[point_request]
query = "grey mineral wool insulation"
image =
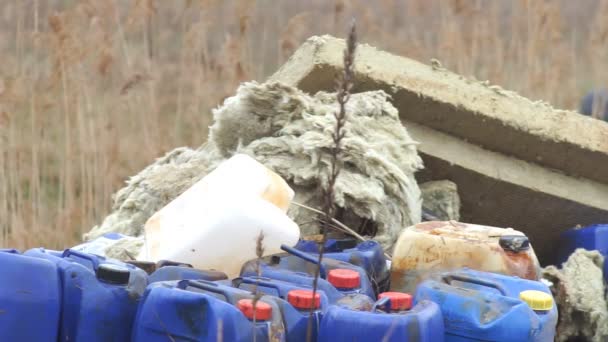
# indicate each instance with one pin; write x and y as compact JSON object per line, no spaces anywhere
{"x":289,"y":131}
{"x":579,"y":291}
{"x":441,"y":198}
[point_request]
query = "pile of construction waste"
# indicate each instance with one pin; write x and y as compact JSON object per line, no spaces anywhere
{"x":418,"y":138}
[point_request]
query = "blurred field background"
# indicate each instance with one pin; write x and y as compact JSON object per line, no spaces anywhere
{"x":92,"y":91}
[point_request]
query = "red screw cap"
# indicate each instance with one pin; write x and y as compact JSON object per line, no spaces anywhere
{"x":302,"y":299}
{"x":344,"y":278}
{"x":263,"y":311}
{"x":399,"y":300}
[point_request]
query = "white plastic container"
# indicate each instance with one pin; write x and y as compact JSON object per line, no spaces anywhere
{"x":434,"y":246}
{"x":215,"y":223}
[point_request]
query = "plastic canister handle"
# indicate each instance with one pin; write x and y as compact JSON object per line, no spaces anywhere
{"x":306,"y":256}
{"x":468,"y":279}
{"x":92,"y":259}
{"x":260,"y":281}
{"x":206,"y":286}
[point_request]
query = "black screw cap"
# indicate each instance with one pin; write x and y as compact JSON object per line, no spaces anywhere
{"x":113,"y":274}
{"x":514,"y":243}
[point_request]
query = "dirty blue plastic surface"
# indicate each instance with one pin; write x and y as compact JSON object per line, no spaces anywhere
{"x":422,"y":323}
{"x":193,"y":310}
{"x":99,"y":296}
{"x":299,"y":268}
{"x":592,"y":237}
{"x":9,"y":250}
{"x":595,"y":99}
{"x":482,"y":306}
{"x":98,"y":245}
{"x":368,"y":255}
{"x":167,"y":273}
{"x":331,"y":245}
{"x":273,"y":287}
{"x":30,"y":298}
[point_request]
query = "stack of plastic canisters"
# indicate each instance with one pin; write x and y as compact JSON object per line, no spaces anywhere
{"x":86,"y":297}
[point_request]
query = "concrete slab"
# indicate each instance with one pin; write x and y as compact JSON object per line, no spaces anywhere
{"x":517,"y":163}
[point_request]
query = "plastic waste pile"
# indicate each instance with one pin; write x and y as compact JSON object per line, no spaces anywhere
{"x":224,"y":262}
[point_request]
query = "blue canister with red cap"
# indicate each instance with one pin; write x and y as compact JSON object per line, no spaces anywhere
{"x":392,"y":318}
{"x":198,"y":310}
{"x":337,"y":278}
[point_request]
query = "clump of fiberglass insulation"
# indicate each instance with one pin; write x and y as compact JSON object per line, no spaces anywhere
{"x":579,"y":291}
{"x":289,"y":131}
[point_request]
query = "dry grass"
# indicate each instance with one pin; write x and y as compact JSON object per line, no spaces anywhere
{"x":91,"y":91}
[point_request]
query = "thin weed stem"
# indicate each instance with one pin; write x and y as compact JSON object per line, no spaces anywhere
{"x":344,"y":87}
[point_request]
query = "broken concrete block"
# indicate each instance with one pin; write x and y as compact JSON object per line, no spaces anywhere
{"x":517,"y":163}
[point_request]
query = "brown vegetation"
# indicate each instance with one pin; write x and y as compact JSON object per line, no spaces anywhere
{"x":92,"y":91}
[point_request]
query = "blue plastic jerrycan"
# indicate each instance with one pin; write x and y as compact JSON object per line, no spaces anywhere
{"x":592,"y":237}
{"x":299,"y":267}
{"x":368,"y":255}
{"x":169,"y":270}
{"x":295,"y":302}
{"x":198,"y":310}
{"x":392,"y":318}
{"x":99,"y":295}
{"x":10,"y":250}
{"x":30,"y":298}
{"x":482,"y":306}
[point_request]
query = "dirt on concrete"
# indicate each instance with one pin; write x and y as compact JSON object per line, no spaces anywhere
{"x":487,"y":115}
{"x":517,"y":163}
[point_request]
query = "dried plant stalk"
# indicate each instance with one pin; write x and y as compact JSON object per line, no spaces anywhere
{"x":344,"y":86}
{"x":259,"y":252}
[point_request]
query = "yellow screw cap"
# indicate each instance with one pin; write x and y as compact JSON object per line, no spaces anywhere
{"x":537,"y":300}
